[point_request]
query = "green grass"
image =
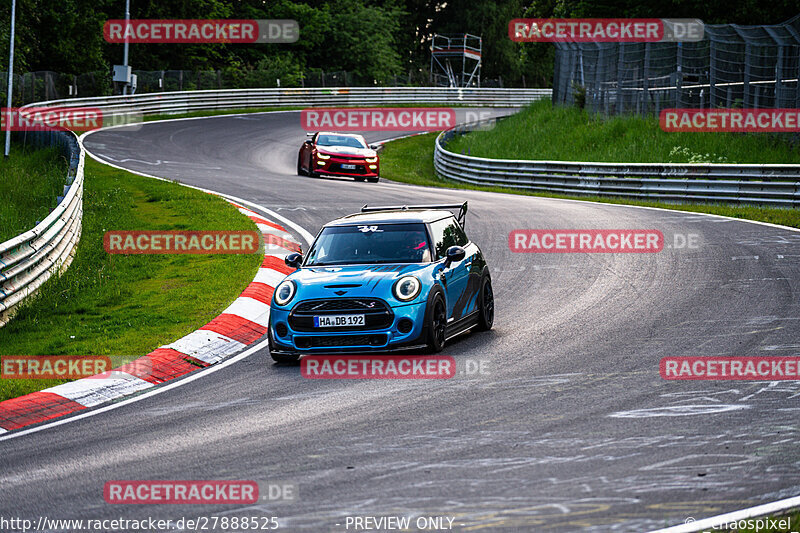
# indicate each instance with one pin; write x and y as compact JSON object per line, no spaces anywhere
{"x":122,"y":305}
{"x":543,"y":132}
{"x":30,"y":181}
{"x":410,"y":160}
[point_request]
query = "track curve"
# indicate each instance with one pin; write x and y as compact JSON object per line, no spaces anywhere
{"x":573,"y":429}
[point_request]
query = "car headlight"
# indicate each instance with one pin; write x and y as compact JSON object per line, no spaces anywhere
{"x":407,"y":288}
{"x":372,"y":160}
{"x":323,"y":156}
{"x":284,"y":293}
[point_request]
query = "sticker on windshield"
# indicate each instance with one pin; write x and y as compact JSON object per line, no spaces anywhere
{"x":369,"y":229}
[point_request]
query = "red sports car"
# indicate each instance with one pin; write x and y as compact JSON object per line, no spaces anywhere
{"x":338,"y":154}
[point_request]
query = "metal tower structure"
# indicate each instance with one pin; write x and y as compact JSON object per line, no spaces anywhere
{"x":456,"y":60}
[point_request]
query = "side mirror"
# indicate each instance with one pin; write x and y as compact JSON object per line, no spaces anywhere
{"x":293,"y":260}
{"x":454,"y":254}
{"x":376,"y":147}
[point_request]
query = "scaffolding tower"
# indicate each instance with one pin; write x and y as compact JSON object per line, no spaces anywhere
{"x":456,"y":60}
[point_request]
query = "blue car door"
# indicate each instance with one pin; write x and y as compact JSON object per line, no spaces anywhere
{"x":446,"y":233}
{"x":457,"y":275}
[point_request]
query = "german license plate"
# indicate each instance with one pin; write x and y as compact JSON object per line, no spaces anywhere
{"x":348,"y":167}
{"x":335,"y":321}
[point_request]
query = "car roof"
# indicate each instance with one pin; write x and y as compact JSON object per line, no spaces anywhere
{"x":392,"y":216}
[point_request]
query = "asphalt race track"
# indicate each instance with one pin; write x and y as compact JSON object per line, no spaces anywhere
{"x":572,"y":429}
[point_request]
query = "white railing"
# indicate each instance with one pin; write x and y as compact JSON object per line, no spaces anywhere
{"x":774,"y":185}
{"x":29,"y":259}
{"x":186,"y":102}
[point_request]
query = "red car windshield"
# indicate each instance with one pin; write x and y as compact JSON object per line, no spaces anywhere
{"x":340,"y":140}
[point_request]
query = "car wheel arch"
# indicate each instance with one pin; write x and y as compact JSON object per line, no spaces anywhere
{"x":435,"y":292}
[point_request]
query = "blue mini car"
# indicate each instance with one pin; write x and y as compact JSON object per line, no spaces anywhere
{"x":384,"y":279}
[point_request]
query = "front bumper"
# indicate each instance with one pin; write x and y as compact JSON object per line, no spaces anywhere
{"x":347,"y":339}
{"x":333,"y":167}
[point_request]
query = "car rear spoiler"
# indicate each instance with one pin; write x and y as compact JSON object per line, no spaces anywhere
{"x":461,"y":216}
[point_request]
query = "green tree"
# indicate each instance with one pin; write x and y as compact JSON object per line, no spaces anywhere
{"x":361,"y":39}
{"x":64,"y":36}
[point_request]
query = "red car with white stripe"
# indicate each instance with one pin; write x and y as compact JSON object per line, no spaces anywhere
{"x":338,"y":154}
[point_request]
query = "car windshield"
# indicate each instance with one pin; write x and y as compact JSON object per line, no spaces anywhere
{"x":370,"y":244}
{"x":340,"y":140}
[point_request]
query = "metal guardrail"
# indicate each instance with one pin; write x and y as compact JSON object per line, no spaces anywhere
{"x":186,"y":102}
{"x":29,"y":259}
{"x":773,"y":185}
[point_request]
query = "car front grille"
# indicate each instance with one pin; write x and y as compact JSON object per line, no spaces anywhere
{"x":377,"y":314}
{"x":340,"y":304}
{"x":340,"y":341}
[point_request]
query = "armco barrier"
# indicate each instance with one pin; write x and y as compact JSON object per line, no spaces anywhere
{"x":185,"y":102}
{"x":774,"y":185}
{"x":28,"y":260}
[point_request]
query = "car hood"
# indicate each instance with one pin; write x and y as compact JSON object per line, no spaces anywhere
{"x":348,"y":150}
{"x":356,"y":280}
